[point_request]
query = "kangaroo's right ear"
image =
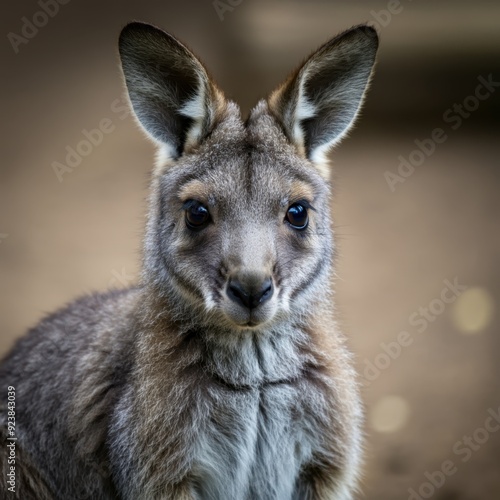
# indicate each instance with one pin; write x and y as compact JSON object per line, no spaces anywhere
{"x":172,"y":96}
{"x":318,"y":104}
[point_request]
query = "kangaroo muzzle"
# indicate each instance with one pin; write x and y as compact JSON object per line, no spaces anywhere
{"x":250,"y":290}
{"x":249,"y":297}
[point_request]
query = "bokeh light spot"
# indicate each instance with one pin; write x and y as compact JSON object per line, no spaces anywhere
{"x":390,"y":414}
{"x":473,"y":311}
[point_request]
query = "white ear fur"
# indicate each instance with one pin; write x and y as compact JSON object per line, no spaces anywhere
{"x":318,"y":105}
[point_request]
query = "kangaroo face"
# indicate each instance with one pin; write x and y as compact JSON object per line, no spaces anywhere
{"x":245,"y":229}
{"x":239,"y":225}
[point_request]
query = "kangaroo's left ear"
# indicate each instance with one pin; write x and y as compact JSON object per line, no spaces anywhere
{"x":173,"y":98}
{"x":318,"y":104}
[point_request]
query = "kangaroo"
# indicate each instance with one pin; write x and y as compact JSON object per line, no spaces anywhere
{"x":222,"y":374}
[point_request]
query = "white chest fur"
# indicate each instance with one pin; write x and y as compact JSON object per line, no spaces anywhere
{"x":253,"y":445}
{"x":257,"y":437}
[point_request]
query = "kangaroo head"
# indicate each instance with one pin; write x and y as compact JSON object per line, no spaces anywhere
{"x":239,"y":226}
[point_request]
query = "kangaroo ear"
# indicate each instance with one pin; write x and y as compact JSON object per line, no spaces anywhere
{"x":172,"y":96}
{"x":318,"y":104}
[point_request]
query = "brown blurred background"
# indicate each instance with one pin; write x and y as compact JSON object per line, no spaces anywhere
{"x":428,"y":400}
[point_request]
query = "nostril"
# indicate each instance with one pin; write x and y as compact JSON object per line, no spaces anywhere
{"x":237,"y":294}
{"x":267,"y":292}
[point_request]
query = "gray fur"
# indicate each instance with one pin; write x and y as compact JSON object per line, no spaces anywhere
{"x":171,"y":390}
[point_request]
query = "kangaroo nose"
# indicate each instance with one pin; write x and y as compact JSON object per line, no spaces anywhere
{"x":250,"y":293}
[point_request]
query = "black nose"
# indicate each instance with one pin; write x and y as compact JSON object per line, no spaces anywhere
{"x":251,"y":293}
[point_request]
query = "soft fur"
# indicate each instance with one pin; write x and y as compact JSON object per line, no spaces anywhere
{"x":170,"y":390}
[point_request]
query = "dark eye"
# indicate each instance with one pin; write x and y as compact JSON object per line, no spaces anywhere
{"x":297,"y":216}
{"x":197,"y":215}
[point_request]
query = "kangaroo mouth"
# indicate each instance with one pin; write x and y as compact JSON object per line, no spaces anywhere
{"x":251,"y":325}
{"x":249,"y":319}
{"x":246,"y":319}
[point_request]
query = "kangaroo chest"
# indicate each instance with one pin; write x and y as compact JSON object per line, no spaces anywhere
{"x":253,"y":443}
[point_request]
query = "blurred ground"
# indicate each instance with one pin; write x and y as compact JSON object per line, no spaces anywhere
{"x":429,"y":400}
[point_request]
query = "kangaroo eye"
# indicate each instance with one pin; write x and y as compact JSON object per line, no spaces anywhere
{"x":297,"y":216}
{"x":197,"y":215}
